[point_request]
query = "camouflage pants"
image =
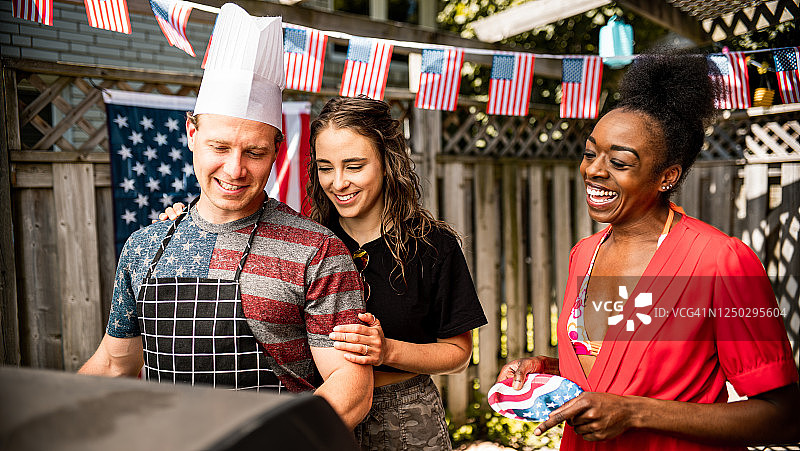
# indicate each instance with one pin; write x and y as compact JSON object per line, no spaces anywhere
{"x":405,"y":416}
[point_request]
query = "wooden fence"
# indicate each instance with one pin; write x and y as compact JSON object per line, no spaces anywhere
{"x":509,"y":185}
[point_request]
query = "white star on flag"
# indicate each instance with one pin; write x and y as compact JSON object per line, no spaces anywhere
{"x":154,"y":185}
{"x":150,"y":153}
{"x":121,"y":121}
{"x":189,"y":198}
{"x":175,"y":154}
{"x":146,"y":123}
{"x":153,"y":216}
{"x":128,"y":185}
{"x":136,"y":138}
{"x":177,"y":184}
{"x":197,"y":258}
{"x":160,"y":139}
{"x":171,"y":124}
{"x":184,"y":140}
{"x":166,"y":200}
{"x":142,"y":201}
{"x":188,"y":169}
{"x":129,"y":216}
{"x":165,"y":169}
{"x":125,"y":152}
{"x":139,"y":168}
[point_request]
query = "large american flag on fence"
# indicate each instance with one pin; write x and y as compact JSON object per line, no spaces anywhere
{"x":439,"y":79}
{"x":510,"y":84}
{"x":36,"y":10}
{"x":733,"y":77}
{"x":366,"y":68}
{"x":172,"y":16}
{"x":786,"y":68}
{"x":109,"y":15}
{"x":580,"y":87}
{"x":151,"y":165}
{"x":303,"y":57}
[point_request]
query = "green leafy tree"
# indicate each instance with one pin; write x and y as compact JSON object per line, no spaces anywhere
{"x":579,"y":35}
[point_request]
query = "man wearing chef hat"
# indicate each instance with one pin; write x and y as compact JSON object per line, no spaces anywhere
{"x":240,"y":292}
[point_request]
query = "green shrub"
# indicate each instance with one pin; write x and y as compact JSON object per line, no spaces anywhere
{"x":484,"y":424}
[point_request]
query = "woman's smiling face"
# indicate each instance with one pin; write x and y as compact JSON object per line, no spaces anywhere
{"x":618,"y":167}
{"x":350,"y":172}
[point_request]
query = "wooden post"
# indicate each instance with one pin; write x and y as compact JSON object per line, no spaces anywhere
{"x":516,"y":307}
{"x":487,"y":242}
{"x":689,"y":195}
{"x":39,"y":290}
{"x":73,"y":188}
{"x":756,"y":193}
{"x":718,"y":198}
{"x":541,"y":267}
{"x":459,"y":387}
{"x":789,"y":252}
{"x":427,"y":141}
{"x":9,"y":140}
{"x":562,"y":229}
{"x":583,"y":222}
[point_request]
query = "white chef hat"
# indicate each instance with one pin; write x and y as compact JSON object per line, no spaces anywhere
{"x":244,"y":72}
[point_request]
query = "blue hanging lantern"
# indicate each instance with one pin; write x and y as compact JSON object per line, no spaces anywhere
{"x":616,"y":39}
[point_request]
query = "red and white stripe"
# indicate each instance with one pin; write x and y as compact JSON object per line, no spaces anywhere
{"x":737,"y":83}
{"x":582,"y":100}
{"x":175,"y":29}
{"x":513,"y":97}
{"x":369,"y":78}
{"x":109,"y":15}
{"x":288,"y":179}
{"x":440,"y":91}
{"x":36,"y":10}
{"x":304,"y":70}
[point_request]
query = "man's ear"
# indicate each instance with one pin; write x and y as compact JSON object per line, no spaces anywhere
{"x":191,"y":130}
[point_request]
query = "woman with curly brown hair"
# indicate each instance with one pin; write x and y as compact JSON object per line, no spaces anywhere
{"x":654,"y":372}
{"x":421,"y":301}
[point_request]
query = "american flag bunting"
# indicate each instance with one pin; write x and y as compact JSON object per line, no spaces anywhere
{"x":366,"y":68}
{"x":580,"y":87}
{"x":172,"y":16}
{"x":109,"y":15}
{"x":732,"y":68}
{"x":786,"y":68}
{"x":303,"y":58}
{"x":36,"y":10}
{"x":510,"y":84}
{"x":439,"y":79}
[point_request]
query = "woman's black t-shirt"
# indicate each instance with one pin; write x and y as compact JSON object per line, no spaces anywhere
{"x":437,"y":299}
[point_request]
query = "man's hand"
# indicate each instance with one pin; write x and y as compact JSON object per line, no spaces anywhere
{"x":519,"y":369}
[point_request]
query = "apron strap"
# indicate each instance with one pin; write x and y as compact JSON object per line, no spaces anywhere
{"x":167,"y":238}
{"x":246,"y":252}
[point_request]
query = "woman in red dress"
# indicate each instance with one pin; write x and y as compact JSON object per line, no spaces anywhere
{"x":691,"y":307}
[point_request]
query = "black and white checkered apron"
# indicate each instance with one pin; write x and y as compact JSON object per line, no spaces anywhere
{"x":194,"y":329}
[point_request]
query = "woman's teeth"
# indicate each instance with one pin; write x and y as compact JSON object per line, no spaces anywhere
{"x":345,"y":198}
{"x":600,"y":196}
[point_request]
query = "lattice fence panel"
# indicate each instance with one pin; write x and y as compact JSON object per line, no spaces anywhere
{"x":78,"y":124}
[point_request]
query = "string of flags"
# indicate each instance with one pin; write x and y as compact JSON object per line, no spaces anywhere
{"x":367,"y":63}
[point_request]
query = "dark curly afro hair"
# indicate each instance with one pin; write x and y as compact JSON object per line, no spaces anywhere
{"x":675,"y":90}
